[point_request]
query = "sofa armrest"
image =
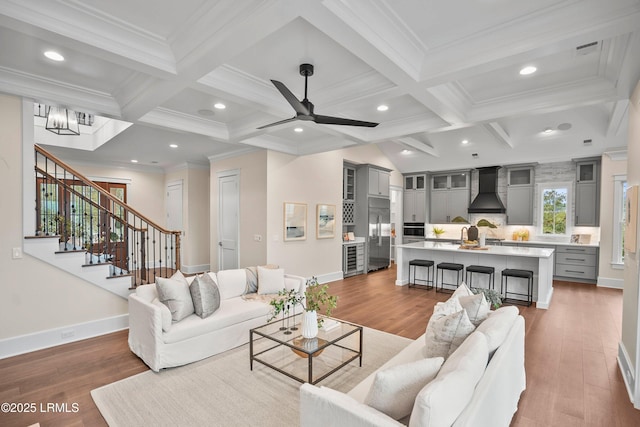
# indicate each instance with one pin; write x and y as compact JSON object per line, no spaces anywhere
{"x":322,"y":406}
{"x":145,"y":330}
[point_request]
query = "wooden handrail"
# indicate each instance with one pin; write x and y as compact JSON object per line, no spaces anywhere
{"x":90,"y":183}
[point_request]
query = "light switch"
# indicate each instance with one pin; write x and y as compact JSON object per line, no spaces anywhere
{"x":16,"y":253}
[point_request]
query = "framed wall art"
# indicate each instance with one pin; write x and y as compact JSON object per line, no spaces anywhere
{"x":295,"y":221}
{"x":325,"y":221}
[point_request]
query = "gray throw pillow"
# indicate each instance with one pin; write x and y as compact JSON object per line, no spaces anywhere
{"x":205,"y":295}
{"x":175,"y":295}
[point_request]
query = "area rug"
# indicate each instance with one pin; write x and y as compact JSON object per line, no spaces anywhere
{"x":223,"y":391}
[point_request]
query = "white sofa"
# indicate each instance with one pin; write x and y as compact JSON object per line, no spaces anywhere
{"x":446,"y":400}
{"x":193,"y":338}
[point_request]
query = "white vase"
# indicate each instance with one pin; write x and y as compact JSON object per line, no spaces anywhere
{"x":309,"y":324}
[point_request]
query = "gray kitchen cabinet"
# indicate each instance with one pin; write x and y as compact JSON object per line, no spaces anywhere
{"x":520,"y":194}
{"x":414,"y":198}
{"x":576,"y":262}
{"x":378,"y":182}
{"x":450,"y":194}
{"x":587,"y":203}
{"x":349,"y":183}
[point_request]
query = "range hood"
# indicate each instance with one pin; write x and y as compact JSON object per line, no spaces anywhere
{"x":487,"y":200}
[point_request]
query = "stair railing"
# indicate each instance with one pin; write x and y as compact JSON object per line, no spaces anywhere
{"x":88,"y":218}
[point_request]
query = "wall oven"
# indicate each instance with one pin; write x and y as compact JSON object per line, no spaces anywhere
{"x":413,"y":229}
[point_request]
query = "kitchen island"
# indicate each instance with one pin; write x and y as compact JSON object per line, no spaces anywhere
{"x":538,"y":260}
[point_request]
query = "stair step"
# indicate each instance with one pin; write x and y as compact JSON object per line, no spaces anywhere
{"x":120,"y":275}
{"x":74,"y":251}
{"x":95,"y":264}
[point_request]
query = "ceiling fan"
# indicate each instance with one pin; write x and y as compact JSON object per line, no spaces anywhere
{"x":304,"y":108}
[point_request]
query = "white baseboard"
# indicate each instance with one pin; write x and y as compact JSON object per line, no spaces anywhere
{"x":192,"y":269}
{"x":625,"y":365}
{"x":50,"y":338}
{"x":330,"y":277}
{"x":607,"y":282}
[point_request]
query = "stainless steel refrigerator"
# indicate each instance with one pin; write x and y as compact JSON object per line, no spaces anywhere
{"x":379,"y":239}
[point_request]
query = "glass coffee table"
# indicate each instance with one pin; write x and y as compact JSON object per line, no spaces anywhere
{"x":280,"y":346}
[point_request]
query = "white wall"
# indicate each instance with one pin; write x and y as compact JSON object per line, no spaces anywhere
{"x":608,"y":276}
{"x":630,"y":319}
{"x":36,"y":296}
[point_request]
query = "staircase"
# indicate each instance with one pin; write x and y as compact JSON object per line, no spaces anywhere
{"x":87,"y":231}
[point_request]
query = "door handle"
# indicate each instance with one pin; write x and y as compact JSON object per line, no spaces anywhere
{"x":220,"y":244}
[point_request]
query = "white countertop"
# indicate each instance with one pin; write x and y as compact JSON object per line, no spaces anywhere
{"x":353,"y":242}
{"x":544,"y":242}
{"x":521,"y":251}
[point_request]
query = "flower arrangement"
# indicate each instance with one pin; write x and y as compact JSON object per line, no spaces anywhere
{"x":316,"y":298}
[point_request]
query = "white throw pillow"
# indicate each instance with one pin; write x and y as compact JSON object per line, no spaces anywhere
{"x":476,"y":306}
{"x":270,"y":280}
{"x":232,"y":283}
{"x":452,"y":305}
{"x":394,"y":389}
{"x":175,"y":294}
{"x":444,"y":334}
{"x":462,"y":291}
{"x":164,"y":313}
{"x":498,"y":325}
{"x":205,"y":295}
{"x":442,"y":401}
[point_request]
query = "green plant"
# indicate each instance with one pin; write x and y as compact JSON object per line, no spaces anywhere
{"x":485,"y":223}
{"x":493,"y":297}
{"x":316,"y":298}
{"x":460,"y":219}
{"x":438,"y":231}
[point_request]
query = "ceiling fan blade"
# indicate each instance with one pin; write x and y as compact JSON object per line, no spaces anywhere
{"x":329,"y":120}
{"x":291,"y":98}
{"x":278,"y":123}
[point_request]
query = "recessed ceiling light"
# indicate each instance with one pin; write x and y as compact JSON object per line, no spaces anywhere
{"x":220,"y":106}
{"x":54,"y":56}
{"x":529,"y":69}
{"x":383,"y":107}
{"x":173,"y":145}
{"x":206,"y":112}
{"x":298,"y":130}
{"x":405,"y":151}
{"x":134,"y":161}
{"x":548,"y":130}
{"x":465,"y":141}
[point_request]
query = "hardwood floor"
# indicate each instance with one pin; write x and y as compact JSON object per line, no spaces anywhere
{"x":572,"y":373}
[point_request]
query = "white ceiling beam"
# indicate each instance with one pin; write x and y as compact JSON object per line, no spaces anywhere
{"x":418,"y":145}
{"x":499,"y":132}
{"x":185,"y":122}
{"x":617,"y":120}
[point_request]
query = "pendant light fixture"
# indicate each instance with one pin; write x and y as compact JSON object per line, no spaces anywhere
{"x":62,"y":121}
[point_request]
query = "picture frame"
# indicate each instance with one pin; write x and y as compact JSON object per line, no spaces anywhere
{"x":294,"y":221}
{"x":325,"y":221}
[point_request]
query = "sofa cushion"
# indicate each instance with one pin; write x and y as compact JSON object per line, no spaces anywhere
{"x":270,"y":281}
{"x":232,"y":283}
{"x":164,"y":313}
{"x":147,"y":292}
{"x":497,"y":326}
{"x":441,"y":401}
{"x":445,"y":333}
{"x":394,"y":389}
{"x":476,"y":306}
{"x":231,"y":312}
{"x":338,"y":409}
{"x":205,"y":295}
{"x":174,"y":293}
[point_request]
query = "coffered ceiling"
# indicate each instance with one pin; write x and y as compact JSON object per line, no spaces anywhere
{"x":448,"y":71}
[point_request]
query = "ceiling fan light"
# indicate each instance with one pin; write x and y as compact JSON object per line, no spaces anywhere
{"x":62,"y":121}
{"x":529,"y":69}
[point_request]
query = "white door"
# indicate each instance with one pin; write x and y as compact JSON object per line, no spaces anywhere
{"x":228,"y":222}
{"x":174,"y":206}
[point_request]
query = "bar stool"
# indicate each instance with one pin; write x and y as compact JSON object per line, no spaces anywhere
{"x":450,"y":266}
{"x":491,"y":271}
{"x":415,"y":263}
{"x":521,"y":274}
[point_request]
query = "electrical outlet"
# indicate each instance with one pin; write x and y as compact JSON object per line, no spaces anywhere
{"x":67,"y":334}
{"x":16,"y":253}
{"x":257,"y":238}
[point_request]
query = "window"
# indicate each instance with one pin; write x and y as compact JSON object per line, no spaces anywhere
{"x":619,"y":207}
{"x":554,"y":201}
